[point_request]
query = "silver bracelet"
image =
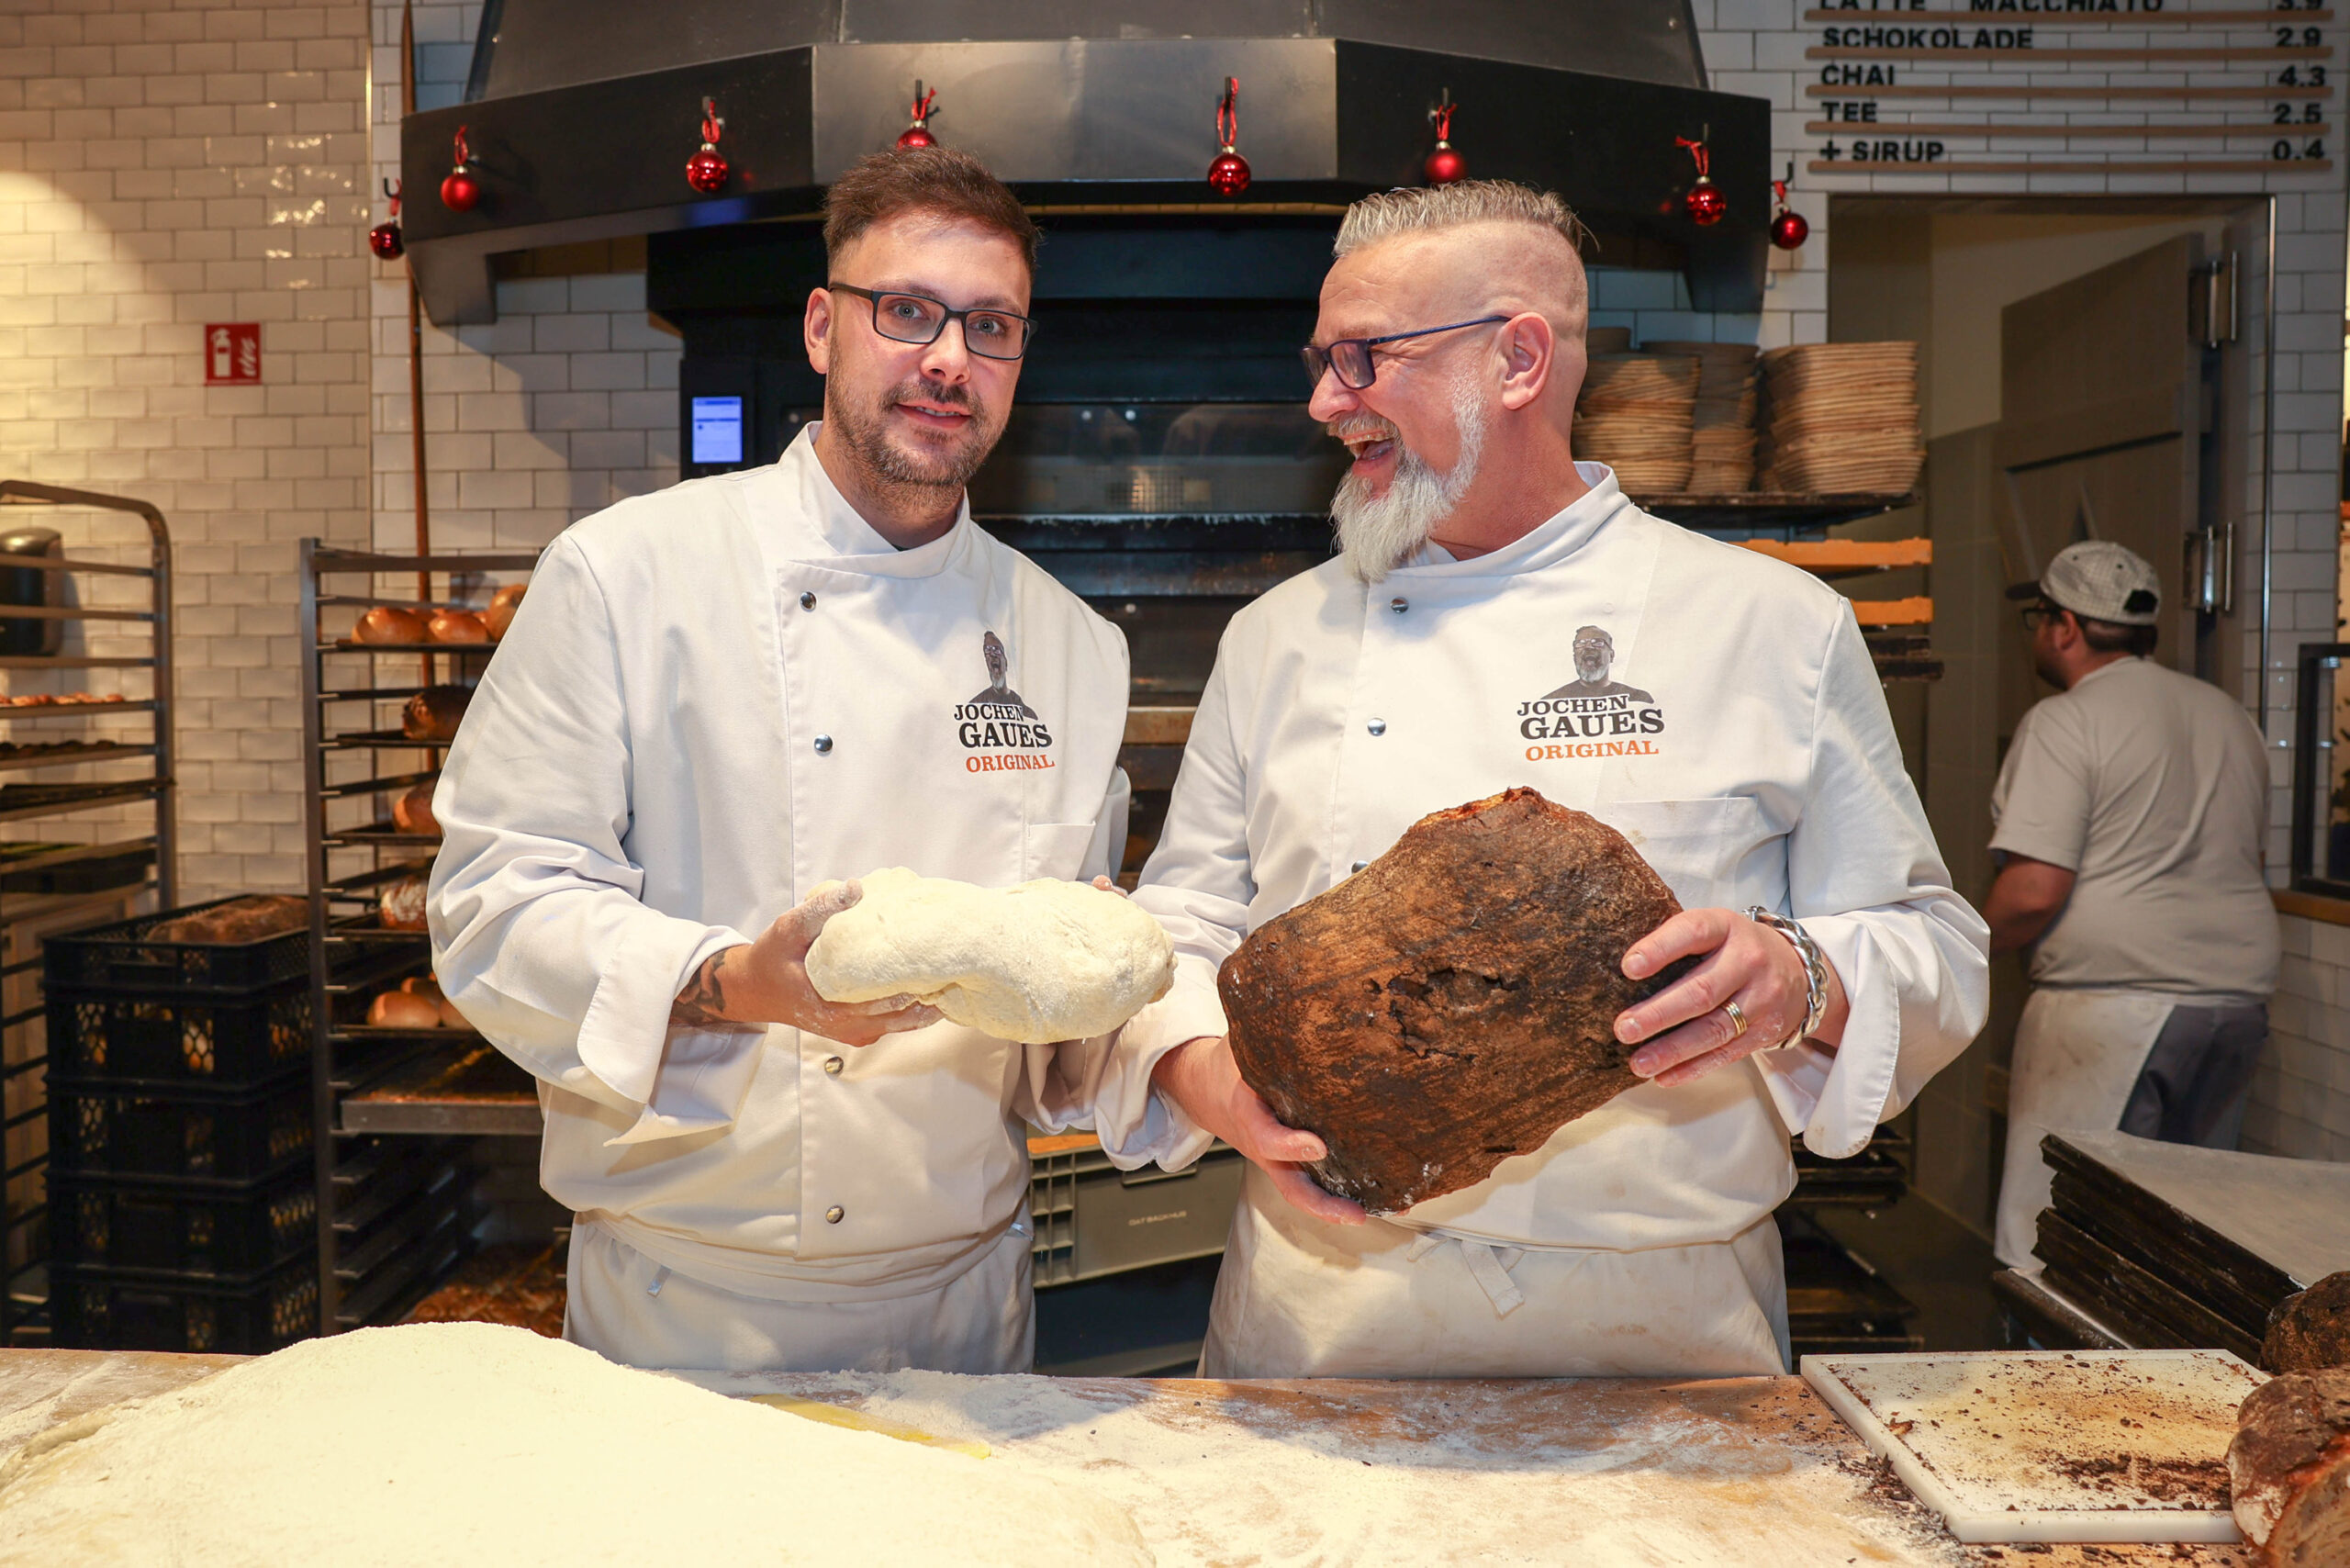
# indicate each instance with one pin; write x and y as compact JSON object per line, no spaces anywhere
{"x":1815,"y":968}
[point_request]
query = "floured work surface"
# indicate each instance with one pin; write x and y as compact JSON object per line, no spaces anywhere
{"x":1755,"y":1473}
{"x":2053,"y":1445}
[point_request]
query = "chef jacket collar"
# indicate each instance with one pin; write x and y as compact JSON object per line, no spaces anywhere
{"x":1551,"y":541}
{"x":801,"y":516}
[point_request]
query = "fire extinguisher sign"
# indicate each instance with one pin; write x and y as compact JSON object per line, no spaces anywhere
{"x":232,"y":353}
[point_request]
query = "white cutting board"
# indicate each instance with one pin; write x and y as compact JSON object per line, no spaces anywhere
{"x":2051,"y":1444}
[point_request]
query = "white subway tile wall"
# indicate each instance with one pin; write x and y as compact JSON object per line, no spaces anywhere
{"x":163,"y":166}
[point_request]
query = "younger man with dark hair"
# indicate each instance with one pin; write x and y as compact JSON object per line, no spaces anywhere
{"x":714,"y":700}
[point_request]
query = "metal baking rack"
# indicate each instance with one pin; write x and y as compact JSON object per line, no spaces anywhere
{"x":27,"y":917}
{"x":397,"y":1171}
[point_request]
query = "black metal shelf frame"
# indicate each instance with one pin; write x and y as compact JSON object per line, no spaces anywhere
{"x":21,"y":1309}
{"x":394,"y":1212}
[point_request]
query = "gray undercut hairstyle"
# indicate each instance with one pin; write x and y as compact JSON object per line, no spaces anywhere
{"x":1423,"y":209}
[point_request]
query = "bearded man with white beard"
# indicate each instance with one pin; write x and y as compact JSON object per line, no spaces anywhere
{"x":1741,"y":744}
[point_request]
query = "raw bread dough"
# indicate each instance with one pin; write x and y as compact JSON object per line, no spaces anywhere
{"x":1044,"y":961}
{"x":470,"y":1442}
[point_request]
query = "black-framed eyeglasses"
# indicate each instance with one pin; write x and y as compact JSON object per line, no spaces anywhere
{"x":1351,"y":358}
{"x":918,"y":319}
{"x":2038,"y":614}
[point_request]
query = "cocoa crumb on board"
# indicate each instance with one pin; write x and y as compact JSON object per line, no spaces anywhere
{"x":2189,"y":1482}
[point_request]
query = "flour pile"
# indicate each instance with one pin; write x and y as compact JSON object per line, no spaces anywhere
{"x":467,"y":1442}
{"x":1044,"y":962}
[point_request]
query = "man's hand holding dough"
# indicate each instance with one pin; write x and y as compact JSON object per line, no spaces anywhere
{"x":765,"y":981}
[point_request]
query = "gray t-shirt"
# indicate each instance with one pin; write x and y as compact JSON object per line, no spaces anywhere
{"x":2153,"y":787}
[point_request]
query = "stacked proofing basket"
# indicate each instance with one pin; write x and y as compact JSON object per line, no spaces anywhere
{"x":1721,"y":439}
{"x":1841,"y":419}
{"x":1634,"y":415}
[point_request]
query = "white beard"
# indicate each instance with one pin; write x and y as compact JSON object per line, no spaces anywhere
{"x":1379,"y":533}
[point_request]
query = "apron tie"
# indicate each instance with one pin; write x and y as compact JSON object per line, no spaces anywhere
{"x":1488,"y":1265}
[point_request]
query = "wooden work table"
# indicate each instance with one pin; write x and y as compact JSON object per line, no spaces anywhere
{"x":1530,"y":1471}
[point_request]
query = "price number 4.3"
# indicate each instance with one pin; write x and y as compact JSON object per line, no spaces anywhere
{"x":2296,"y":76}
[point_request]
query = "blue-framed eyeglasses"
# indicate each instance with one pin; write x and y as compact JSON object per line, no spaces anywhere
{"x":1351,"y":358}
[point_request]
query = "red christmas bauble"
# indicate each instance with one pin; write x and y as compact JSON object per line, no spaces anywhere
{"x":1229,"y":173}
{"x":915,"y":136}
{"x":1445,"y":165}
{"x":1788,"y":230}
{"x":460,"y":192}
{"x":386,"y":242}
{"x":1705,"y":203}
{"x":705,"y":170}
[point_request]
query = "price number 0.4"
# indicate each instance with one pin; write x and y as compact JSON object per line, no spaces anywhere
{"x":2283,"y":151}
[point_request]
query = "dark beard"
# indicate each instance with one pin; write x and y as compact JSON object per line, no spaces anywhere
{"x":866,"y":442}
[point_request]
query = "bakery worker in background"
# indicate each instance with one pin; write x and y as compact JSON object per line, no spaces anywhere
{"x":1409,"y":676}
{"x":715,"y":698}
{"x":2131,"y":812}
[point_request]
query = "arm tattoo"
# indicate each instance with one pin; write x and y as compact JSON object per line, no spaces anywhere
{"x":703,"y":1002}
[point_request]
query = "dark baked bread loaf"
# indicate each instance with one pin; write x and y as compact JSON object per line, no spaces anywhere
{"x":238,"y":920}
{"x":2289,"y":1468}
{"x":2310,"y":1329}
{"x":1452,"y":1003}
{"x":434,"y":713}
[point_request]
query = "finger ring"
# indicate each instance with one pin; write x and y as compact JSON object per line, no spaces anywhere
{"x":1736,"y":1018}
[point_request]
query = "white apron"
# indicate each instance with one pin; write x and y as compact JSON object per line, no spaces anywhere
{"x":2078,"y":1056}
{"x":1299,"y":1298}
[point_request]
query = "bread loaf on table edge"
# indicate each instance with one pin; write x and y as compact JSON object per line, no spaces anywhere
{"x":2310,"y":1329}
{"x":2289,"y":1468}
{"x":246,"y":919}
{"x":1454,"y":1003}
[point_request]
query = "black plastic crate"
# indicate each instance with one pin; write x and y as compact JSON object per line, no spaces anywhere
{"x":172,"y":1041}
{"x":99,"y":1129}
{"x":138,"y":1225}
{"x":107,"y":1309}
{"x":92,"y":876}
{"x":120,"y":954}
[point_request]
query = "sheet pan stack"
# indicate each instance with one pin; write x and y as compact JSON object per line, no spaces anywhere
{"x":1635,"y":415}
{"x":1722,"y":425}
{"x":1841,"y":418}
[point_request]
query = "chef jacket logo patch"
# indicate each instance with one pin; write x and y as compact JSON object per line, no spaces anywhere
{"x":998,"y":721}
{"x":1592,"y":715}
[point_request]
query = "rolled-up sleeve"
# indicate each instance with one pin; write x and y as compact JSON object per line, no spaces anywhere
{"x":539,"y":937}
{"x":1867,"y":881}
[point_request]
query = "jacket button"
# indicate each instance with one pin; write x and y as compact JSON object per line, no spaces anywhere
{"x":833,"y":1065}
{"x":824,"y":745}
{"x":834,"y":1214}
{"x":807,"y":602}
{"x":1377,"y":727}
{"x":1399,"y":605}
{"x":1360,"y":864}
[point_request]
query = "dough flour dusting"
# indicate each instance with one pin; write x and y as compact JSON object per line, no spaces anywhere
{"x":467,"y":1442}
{"x":1044,"y":962}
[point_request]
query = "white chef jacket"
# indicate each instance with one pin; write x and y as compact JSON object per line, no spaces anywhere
{"x":1740,"y":740}
{"x":712,"y":699}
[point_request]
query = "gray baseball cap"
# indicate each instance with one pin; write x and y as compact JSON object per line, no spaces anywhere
{"x":2100,"y":581}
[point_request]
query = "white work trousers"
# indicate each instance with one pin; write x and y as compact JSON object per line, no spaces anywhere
{"x":628,"y":1309}
{"x":1300,"y":1298}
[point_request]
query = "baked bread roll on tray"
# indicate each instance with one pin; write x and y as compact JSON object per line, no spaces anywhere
{"x":1454,"y":1003}
{"x":502,"y":606}
{"x":456,"y":626}
{"x":392,"y":624}
{"x":1044,"y":961}
{"x":434,"y":713}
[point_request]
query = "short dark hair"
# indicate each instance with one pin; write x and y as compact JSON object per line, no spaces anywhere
{"x":2113,"y":637}
{"x":939,"y":180}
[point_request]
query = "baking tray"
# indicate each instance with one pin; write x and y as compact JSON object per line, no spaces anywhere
{"x":2036,"y":1446}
